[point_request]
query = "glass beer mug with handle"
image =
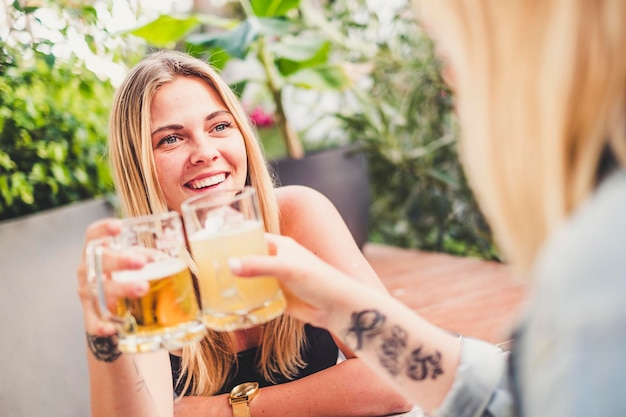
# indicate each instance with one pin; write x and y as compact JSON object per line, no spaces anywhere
{"x":219,"y":225}
{"x":168,"y":315}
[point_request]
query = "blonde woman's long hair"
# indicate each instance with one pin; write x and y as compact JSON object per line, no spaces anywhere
{"x":208,"y":362}
{"x":540,"y":89}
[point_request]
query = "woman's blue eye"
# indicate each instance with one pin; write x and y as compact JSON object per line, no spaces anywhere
{"x":169,"y":140}
{"x":222,"y":126}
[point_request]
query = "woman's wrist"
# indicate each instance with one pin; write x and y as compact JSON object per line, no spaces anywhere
{"x":103,"y":348}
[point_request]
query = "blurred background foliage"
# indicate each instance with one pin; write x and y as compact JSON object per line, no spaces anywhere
{"x":51,"y":136}
{"x":405,"y":118}
{"x":54,"y":106}
{"x":53,"y":109}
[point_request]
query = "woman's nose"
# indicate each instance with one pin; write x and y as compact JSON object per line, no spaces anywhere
{"x":203,"y":150}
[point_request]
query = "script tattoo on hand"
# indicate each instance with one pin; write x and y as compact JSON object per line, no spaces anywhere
{"x":417,"y":364}
{"x":103,"y":348}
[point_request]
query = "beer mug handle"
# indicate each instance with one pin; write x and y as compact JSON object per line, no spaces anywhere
{"x":95,"y":277}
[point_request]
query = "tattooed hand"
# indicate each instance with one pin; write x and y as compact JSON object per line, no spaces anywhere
{"x":103,"y":348}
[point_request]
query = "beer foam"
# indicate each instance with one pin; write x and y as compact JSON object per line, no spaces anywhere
{"x":211,"y":232}
{"x":151,"y":271}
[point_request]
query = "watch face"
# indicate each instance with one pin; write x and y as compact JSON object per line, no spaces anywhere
{"x":244,"y":390}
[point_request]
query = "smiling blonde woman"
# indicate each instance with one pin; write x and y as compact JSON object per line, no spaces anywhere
{"x":176,"y":131}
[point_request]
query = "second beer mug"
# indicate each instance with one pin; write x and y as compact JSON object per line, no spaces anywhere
{"x":168,"y":315}
{"x":220,"y":225}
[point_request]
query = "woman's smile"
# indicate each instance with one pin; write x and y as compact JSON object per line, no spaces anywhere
{"x":196,"y":142}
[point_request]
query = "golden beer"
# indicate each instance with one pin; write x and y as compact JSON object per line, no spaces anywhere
{"x":167,"y":314}
{"x":229,"y":302}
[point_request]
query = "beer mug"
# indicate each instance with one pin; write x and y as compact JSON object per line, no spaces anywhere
{"x":168,"y":315}
{"x":220,"y":225}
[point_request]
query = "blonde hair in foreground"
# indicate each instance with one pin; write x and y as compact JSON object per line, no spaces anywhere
{"x":541,"y":87}
{"x":209,"y":361}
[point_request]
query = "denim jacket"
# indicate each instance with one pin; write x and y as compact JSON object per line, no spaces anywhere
{"x":481,"y":385}
{"x":570,"y":350}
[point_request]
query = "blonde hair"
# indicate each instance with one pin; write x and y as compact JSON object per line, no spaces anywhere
{"x":207,"y":363}
{"x":541,"y":89}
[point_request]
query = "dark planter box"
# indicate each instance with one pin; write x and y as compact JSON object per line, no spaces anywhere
{"x":340,"y":174}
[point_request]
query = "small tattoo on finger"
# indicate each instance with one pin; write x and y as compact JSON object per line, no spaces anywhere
{"x":103,"y":348}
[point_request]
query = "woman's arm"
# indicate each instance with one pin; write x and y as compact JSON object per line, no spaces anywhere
{"x":417,"y":358}
{"x":311,"y":219}
{"x":130,"y":385}
{"x":120,"y":384}
{"x":347,"y":389}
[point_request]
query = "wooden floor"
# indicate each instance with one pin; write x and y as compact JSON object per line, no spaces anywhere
{"x":464,"y":295}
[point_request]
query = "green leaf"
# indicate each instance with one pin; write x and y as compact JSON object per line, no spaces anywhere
{"x":81,"y":176}
{"x":217,"y":57}
{"x":269,"y":8}
{"x":293,"y":54}
{"x":58,"y":151}
{"x":90,"y":14}
{"x":301,"y":49}
{"x":166,"y":30}
{"x":61,"y":173}
{"x":22,"y":188}
{"x":320,"y":78}
{"x":90,"y":40}
{"x":17,"y":6}
{"x":27,"y":10}
{"x":5,"y":192}
{"x":38,"y":173}
{"x":239,"y":87}
{"x":235,"y":42}
{"x":49,"y":59}
{"x":6,"y":162}
{"x":272,"y":26}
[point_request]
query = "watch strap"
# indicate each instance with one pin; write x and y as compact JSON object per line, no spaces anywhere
{"x":240,"y":408}
{"x":240,"y":397}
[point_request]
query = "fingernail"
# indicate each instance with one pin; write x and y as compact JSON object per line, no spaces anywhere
{"x":141,"y":288}
{"x":137,"y":262}
{"x":114,"y":226}
{"x":235,"y":265}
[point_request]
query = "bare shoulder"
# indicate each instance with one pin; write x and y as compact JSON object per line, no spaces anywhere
{"x":310,"y":218}
{"x":301,"y":199}
{"x":306,"y":215}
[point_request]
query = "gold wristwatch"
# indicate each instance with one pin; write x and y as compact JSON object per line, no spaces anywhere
{"x":241,"y":396}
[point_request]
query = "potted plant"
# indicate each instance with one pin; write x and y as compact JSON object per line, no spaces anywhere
{"x":407,"y":125}
{"x":274,"y":50}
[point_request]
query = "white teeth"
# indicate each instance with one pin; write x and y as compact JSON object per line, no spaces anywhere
{"x":207,"y":182}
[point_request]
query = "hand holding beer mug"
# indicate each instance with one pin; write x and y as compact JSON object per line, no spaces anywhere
{"x":167,"y":315}
{"x":220,"y":225}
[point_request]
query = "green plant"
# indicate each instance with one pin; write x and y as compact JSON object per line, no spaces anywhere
{"x":405,"y":118}
{"x":273,"y":38}
{"x":53,"y":109}
{"x":52,"y":134}
{"x":398,"y":108}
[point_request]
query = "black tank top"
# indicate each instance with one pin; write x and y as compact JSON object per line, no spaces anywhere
{"x":320,"y":353}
